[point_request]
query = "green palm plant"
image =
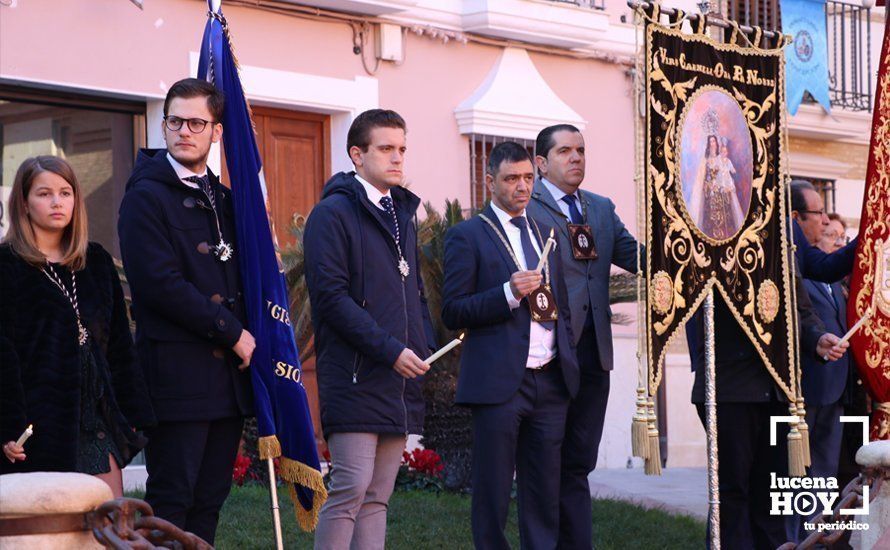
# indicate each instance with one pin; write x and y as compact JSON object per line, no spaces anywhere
{"x":447,"y":428}
{"x":292,"y":261}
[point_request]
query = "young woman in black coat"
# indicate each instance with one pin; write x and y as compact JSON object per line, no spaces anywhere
{"x":67,"y":363}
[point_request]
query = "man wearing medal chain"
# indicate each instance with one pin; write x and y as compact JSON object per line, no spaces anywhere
{"x":518,"y":365}
{"x":372,"y":328}
{"x":592,"y":238}
{"x":177,"y":232}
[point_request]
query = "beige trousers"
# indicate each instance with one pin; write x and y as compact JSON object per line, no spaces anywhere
{"x":363,"y":474}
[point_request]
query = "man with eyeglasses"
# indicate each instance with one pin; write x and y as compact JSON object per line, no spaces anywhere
{"x":808,"y":221}
{"x":824,"y":382}
{"x":177,"y":236}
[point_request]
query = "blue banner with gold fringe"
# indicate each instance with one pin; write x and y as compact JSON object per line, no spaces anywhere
{"x":282,"y":410}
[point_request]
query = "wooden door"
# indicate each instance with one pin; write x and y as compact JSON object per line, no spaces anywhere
{"x":295,"y":147}
{"x":296,"y":163}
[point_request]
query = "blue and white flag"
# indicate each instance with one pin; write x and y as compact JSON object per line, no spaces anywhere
{"x":282,"y":410}
{"x":806,"y":59}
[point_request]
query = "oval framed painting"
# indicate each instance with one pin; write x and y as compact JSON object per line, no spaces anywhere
{"x":716,"y":164}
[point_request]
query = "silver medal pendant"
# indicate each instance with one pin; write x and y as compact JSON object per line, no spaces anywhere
{"x":223,"y":251}
{"x":403,"y":268}
{"x":82,"y":333}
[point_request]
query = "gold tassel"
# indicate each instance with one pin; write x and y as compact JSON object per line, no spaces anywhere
{"x":307,"y":519}
{"x":640,"y":427}
{"x":796,"y":466}
{"x":804,"y":432}
{"x":269,"y":447}
{"x":294,"y":472}
{"x":653,"y":461}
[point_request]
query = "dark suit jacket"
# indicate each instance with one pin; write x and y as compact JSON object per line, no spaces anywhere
{"x":588,"y":280}
{"x":824,"y":383}
{"x":816,"y":265}
{"x":495,"y":349}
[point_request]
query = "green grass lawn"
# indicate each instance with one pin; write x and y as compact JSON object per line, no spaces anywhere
{"x":420,"y":520}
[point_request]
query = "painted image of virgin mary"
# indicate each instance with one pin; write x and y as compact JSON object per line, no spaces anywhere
{"x":714,"y":205}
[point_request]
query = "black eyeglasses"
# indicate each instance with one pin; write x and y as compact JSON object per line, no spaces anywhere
{"x":196,"y":125}
{"x":816,"y":212}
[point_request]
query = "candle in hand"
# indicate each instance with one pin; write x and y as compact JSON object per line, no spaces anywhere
{"x":550,"y":243}
{"x":448,"y":347}
{"x":856,"y":327}
{"x":25,"y":435}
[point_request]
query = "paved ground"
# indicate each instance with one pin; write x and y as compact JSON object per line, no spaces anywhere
{"x":677,"y":490}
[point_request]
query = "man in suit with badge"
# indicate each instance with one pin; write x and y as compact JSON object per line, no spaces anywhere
{"x":518,"y":366}
{"x":592,"y":238}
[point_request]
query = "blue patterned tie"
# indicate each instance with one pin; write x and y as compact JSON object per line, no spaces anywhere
{"x":386,"y":203}
{"x":574,"y":213}
{"x":531,"y":255}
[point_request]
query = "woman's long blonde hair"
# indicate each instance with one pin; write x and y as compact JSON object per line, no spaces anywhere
{"x":21,"y":238}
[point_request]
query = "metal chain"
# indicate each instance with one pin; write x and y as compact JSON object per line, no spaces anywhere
{"x":115,"y":524}
{"x":50,"y":272}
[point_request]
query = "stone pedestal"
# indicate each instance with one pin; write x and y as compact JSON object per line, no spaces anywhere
{"x":876,"y":455}
{"x":58,"y":498}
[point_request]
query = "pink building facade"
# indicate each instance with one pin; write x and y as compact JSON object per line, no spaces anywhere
{"x":86,"y":79}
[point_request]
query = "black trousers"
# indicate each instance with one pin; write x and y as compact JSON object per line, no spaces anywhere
{"x":746,"y":460}
{"x":584,"y":430}
{"x":524,"y":433}
{"x":189,"y":468}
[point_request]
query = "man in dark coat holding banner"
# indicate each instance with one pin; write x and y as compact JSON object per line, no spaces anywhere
{"x":176,"y":230}
{"x":518,"y":365}
{"x":824,"y":383}
{"x":372,"y":329}
{"x":747,"y":396}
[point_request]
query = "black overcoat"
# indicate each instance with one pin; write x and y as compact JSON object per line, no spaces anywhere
{"x":40,"y":370}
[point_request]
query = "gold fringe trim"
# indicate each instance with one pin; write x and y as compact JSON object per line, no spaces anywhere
{"x":269,"y":447}
{"x":796,"y":466}
{"x":653,"y":461}
{"x":804,"y":431}
{"x":640,"y":427}
{"x":298,"y":473}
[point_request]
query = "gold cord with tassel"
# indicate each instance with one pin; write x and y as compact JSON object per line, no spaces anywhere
{"x":804,"y":432}
{"x":796,"y":467}
{"x":640,"y":427}
{"x":653,"y":461}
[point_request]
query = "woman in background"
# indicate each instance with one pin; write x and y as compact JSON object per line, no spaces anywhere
{"x":67,"y":363}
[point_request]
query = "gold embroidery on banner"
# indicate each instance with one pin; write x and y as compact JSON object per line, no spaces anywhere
{"x":662,"y":292}
{"x":685,"y":244}
{"x":876,"y":332}
{"x":768,"y":301}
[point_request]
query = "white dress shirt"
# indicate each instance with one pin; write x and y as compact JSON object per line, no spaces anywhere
{"x":182,"y":172}
{"x":558,"y":194}
{"x":542,"y":342}
{"x":374,"y":194}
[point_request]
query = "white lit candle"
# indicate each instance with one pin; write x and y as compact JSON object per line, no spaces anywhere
{"x":29,"y":431}
{"x":550,"y":243}
{"x":448,"y":347}
{"x":857,"y":326}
